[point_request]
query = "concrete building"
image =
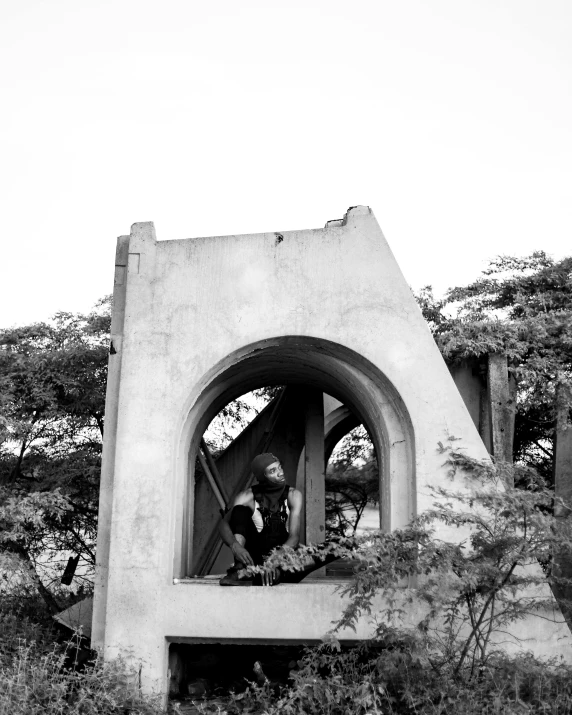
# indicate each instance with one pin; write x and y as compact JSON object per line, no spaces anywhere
{"x":198,"y":322}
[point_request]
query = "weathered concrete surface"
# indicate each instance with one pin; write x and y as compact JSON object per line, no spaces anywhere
{"x":208,"y":319}
{"x":109,"y":442}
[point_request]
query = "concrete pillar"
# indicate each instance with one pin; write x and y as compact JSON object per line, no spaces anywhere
{"x":485,"y":427}
{"x":109,"y":441}
{"x":314,"y":468}
{"x":145,"y":654}
{"x":503,"y":407}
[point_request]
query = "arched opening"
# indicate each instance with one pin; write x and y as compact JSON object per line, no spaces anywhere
{"x":350,"y":465}
{"x":352,"y":485}
{"x":306,"y":364}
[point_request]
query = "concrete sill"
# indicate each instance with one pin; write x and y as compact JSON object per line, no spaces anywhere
{"x":213,"y":581}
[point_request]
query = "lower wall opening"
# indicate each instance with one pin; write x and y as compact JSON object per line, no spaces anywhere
{"x":201,"y":671}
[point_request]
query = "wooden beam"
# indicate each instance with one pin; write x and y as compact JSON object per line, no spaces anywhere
{"x":214,"y":472}
{"x":214,"y":486}
{"x":503,"y":408}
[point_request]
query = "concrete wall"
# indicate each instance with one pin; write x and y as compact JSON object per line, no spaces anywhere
{"x":198,"y":322}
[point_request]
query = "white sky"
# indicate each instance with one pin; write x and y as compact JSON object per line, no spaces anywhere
{"x":451,"y":119}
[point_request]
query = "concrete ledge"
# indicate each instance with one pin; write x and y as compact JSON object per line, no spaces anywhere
{"x":200,"y":608}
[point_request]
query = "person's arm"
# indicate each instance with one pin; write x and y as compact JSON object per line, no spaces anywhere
{"x":295,"y":506}
{"x":238,"y":550}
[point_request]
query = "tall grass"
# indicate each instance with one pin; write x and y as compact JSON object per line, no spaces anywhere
{"x":38,"y":675}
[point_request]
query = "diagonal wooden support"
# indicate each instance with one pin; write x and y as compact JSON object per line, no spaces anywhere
{"x":214,"y":486}
{"x":214,"y":471}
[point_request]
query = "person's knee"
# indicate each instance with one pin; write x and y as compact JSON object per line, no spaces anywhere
{"x":239,"y":518}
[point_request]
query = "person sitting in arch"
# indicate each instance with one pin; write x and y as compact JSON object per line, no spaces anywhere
{"x":264,"y":517}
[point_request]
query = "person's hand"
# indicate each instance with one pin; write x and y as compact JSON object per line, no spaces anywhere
{"x":269,"y":576}
{"x":241,"y":554}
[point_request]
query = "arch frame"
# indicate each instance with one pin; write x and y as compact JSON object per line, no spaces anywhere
{"x":292,"y":359}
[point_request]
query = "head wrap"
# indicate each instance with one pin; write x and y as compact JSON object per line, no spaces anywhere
{"x":267,"y":492}
{"x":259,"y":464}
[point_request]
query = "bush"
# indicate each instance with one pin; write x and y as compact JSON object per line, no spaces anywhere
{"x":38,"y":675}
{"x":396,"y":679}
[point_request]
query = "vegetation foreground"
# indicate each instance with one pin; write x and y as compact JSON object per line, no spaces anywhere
{"x":36,"y":677}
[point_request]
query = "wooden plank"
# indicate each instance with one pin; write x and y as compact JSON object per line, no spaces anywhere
{"x":503,"y":408}
{"x":214,"y":471}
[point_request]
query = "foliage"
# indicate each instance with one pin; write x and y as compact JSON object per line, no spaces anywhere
{"x":468,"y":591}
{"x":521,"y":307}
{"x":52,"y":396}
{"x":468,"y":594}
{"x":393,"y":678}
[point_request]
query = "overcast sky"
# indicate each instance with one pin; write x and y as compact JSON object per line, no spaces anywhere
{"x":450,"y":118}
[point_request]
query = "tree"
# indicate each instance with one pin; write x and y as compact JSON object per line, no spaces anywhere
{"x":474,"y":590}
{"x":52,"y":397}
{"x":521,"y":307}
